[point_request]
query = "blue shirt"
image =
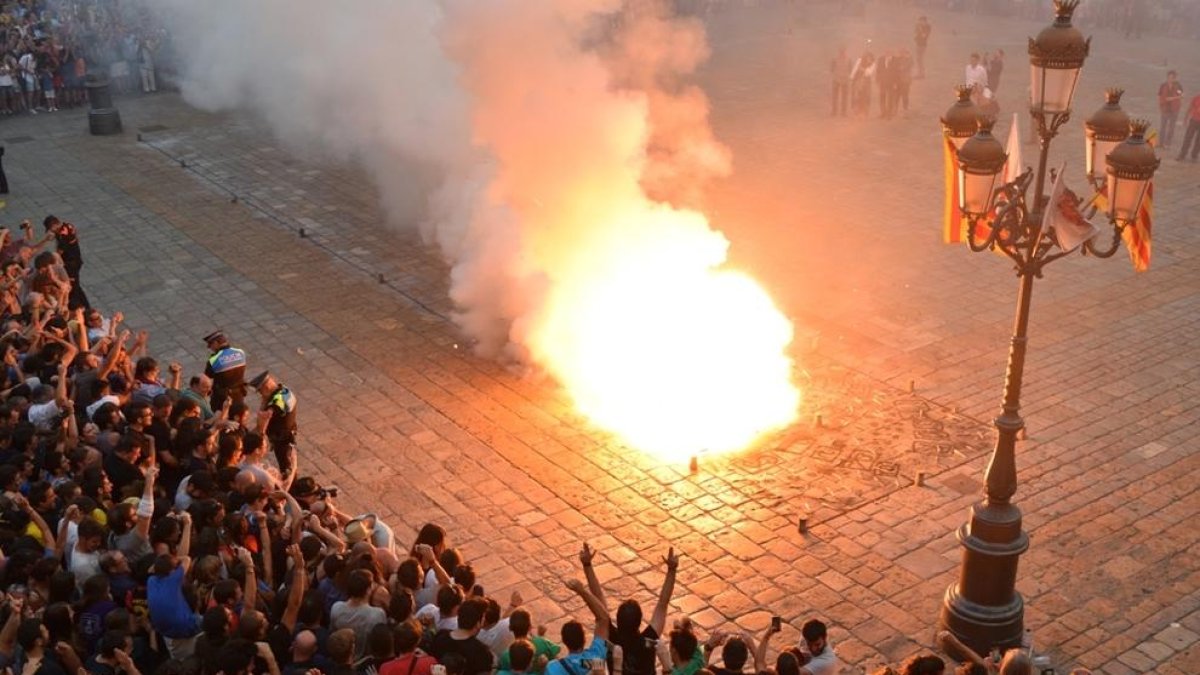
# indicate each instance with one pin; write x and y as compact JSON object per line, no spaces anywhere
{"x":170,"y":614}
{"x":579,"y":664}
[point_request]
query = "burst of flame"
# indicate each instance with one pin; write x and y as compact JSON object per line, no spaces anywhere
{"x":659,"y":344}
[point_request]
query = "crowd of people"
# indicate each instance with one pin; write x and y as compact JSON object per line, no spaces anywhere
{"x":891,"y":74}
{"x":48,"y":50}
{"x":156,"y":522}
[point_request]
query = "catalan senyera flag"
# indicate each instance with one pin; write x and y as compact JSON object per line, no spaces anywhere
{"x":953,"y":223}
{"x":1137,"y":236}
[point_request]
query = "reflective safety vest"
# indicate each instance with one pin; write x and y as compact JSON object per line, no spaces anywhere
{"x":226,"y":359}
{"x":283,"y":400}
{"x":283,"y":419}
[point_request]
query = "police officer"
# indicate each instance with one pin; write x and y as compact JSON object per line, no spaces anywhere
{"x":277,"y":420}
{"x":227,"y":368}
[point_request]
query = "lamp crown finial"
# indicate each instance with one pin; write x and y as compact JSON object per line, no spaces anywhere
{"x":986,"y":122}
{"x":1138,"y":128}
{"x":1113,"y":95}
{"x":1064,"y":10}
{"x":963,"y":91}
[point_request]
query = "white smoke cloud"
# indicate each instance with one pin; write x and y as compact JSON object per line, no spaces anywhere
{"x":426,"y":94}
{"x":567,"y":152}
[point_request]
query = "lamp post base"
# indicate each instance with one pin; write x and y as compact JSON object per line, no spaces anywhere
{"x":981,"y":627}
{"x":984,"y":610}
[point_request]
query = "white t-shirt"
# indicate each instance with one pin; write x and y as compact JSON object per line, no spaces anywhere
{"x":183,"y":501}
{"x":432,"y":613}
{"x":824,"y":663}
{"x":497,"y":638}
{"x":84,"y":565}
{"x":91,"y":409}
{"x":976,"y":76}
{"x":42,"y":415}
{"x":28,"y":64}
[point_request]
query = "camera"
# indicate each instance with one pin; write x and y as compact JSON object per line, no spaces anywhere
{"x":776,"y":623}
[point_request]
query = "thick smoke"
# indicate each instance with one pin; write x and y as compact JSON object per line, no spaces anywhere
{"x":506,"y":129}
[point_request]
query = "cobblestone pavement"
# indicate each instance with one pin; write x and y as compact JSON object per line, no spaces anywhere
{"x":353,"y":316}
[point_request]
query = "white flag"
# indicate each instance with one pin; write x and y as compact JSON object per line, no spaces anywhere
{"x":1012,"y":167}
{"x":1062,"y":213}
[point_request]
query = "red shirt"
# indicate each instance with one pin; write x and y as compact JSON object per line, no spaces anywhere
{"x":1170,"y":96}
{"x":409,"y":664}
{"x":1194,"y":109}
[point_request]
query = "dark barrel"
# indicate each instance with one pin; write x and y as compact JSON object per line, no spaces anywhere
{"x":103,"y":118}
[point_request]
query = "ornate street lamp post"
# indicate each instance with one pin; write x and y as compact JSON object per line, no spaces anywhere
{"x":983,"y":608}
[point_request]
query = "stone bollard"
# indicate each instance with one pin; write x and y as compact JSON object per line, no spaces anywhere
{"x":103,"y":118}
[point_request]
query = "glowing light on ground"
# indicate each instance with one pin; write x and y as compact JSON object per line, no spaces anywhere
{"x":658,"y":344}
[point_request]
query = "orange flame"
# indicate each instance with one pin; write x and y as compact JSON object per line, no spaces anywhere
{"x":659,"y":344}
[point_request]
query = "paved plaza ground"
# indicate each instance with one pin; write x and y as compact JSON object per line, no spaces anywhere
{"x":197,"y":226}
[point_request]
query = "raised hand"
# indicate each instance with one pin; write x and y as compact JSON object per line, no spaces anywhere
{"x":425,"y":554}
{"x":586,"y":555}
{"x":123,"y":659}
{"x":671,"y":559}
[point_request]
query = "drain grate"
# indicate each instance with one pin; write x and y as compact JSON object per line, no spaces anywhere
{"x":152,"y":128}
{"x":13,"y":140}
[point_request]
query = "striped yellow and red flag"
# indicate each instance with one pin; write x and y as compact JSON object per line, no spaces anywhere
{"x":1137,"y":235}
{"x":953,"y":223}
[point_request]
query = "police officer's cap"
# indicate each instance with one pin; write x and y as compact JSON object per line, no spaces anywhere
{"x":260,"y":378}
{"x":215,"y":336}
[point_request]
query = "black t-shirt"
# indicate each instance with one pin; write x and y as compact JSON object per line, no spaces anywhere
{"x":477,"y":655}
{"x":121,"y":473}
{"x":638,"y":657}
{"x":50,"y":666}
{"x":68,"y":246}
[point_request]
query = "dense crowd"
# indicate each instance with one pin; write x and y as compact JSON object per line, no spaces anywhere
{"x":153,"y":526}
{"x":49,"y":49}
{"x":154,"y":520}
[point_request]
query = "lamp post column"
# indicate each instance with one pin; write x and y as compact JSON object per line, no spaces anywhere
{"x":984,"y":609}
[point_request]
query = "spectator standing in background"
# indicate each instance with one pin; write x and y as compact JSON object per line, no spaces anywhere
{"x":861,"y":78}
{"x":883,"y":79}
{"x":976,"y":77}
{"x":839,"y":70}
{"x":995,"y":67}
{"x":1170,"y":100}
{"x":1191,"y":139}
{"x":921,"y":38}
{"x":902,"y":72}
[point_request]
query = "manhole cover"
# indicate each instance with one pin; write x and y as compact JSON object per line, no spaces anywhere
{"x":152,"y":128}
{"x":18,"y":139}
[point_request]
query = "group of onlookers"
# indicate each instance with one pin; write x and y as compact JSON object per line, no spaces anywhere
{"x":49,"y":49}
{"x":1170,"y":105}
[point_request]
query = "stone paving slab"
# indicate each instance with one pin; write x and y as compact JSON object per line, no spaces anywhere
{"x":418,"y":429}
